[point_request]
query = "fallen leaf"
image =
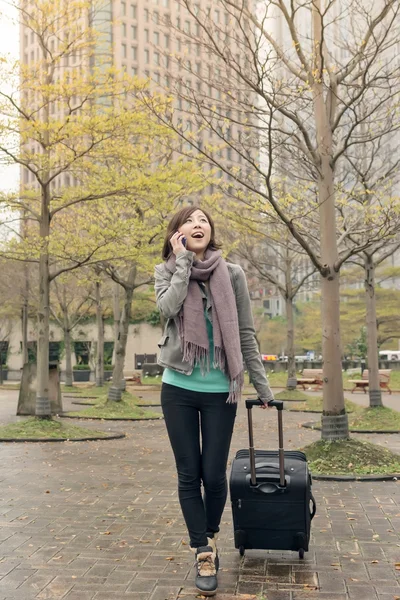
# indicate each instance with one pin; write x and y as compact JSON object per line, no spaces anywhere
{"x":169,"y":558}
{"x":374,"y":562}
{"x":105,"y":532}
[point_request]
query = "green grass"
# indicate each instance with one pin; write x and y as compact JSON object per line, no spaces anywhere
{"x":34,"y":428}
{"x":351,"y":457}
{"x":315,"y":404}
{"x":378,"y":418}
{"x":149,"y":381}
{"x":280,"y":379}
{"x":126,"y":409}
{"x":292,"y":396}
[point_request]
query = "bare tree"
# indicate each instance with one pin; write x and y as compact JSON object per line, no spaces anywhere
{"x":370,"y":260}
{"x":269,"y":252}
{"x":71,"y":302}
{"x":293,"y":89}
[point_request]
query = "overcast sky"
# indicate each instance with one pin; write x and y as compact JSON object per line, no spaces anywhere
{"x":9,"y":46}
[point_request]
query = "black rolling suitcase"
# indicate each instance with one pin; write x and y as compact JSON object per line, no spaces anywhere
{"x":271,"y":497}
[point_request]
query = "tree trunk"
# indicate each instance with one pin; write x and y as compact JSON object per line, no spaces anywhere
{"x":100,"y":339}
{"x":25,"y":317}
{"x":334,"y":418}
{"x":1,"y":363}
{"x":292,"y":379}
{"x":115,"y":392}
{"x":68,"y":355}
{"x":375,"y":394}
{"x":291,"y":383}
{"x":43,"y":408}
{"x":117,"y":317}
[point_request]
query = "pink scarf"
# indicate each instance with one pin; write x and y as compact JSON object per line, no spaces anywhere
{"x":192,"y":324}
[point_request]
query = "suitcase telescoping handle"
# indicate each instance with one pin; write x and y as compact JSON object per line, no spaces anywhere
{"x":279,"y":406}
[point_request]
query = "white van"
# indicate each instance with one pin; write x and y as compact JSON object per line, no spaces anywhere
{"x":389,"y":354}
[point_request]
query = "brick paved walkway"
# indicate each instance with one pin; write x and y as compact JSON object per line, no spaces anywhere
{"x":101,"y":520}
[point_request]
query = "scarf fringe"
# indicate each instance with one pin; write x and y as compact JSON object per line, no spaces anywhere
{"x":199,"y":356}
{"x":196,"y":355}
{"x":235,"y":389}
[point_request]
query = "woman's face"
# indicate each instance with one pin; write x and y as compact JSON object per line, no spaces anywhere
{"x":197,"y":231}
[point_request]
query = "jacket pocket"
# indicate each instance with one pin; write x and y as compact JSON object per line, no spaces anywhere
{"x":163,"y":341}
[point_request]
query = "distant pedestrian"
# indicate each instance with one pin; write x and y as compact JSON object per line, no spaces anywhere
{"x":208,"y":333}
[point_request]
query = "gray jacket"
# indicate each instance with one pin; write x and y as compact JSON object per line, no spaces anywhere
{"x":171,"y":290}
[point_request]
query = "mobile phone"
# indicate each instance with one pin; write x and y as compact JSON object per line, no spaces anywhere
{"x":184,"y":241}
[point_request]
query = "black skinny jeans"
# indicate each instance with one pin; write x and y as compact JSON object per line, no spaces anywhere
{"x":187,"y":413}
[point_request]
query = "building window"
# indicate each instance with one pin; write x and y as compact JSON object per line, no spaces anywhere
{"x":216,"y":16}
{"x":166,"y":62}
{"x":82,"y":352}
{"x":197,"y":29}
{"x":166,"y":3}
{"x":156,"y":17}
{"x":133,"y":71}
{"x":123,"y":9}
{"x":146,"y":15}
{"x":124,"y":51}
{"x":156,"y":38}
{"x":166,"y":40}
{"x":134,"y":32}
{"x":123,"y":29}
{"x":134,"y":52}
{"x":146,"y":57}
{"x":147,"y":73}
{"x":156,"y":58}
{"x":166,"y":81}
{"x":146,"y":35}
{"x":133,"y":11}
{"x":187,"y":26}
{"x":157,"y":77}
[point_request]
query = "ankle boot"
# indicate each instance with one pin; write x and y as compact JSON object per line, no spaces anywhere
{"x":213,"y":543}
{"x":206,"y":575}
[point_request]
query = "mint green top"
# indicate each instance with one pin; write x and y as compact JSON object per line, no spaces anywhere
{"x":215,"y":381}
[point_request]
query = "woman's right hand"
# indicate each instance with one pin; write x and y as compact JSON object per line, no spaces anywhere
{"x":176,"y":243}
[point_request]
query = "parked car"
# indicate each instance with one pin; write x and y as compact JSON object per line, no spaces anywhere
{"x":389,"y":354}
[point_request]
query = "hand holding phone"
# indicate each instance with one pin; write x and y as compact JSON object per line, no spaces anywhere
{"x":178,"y":243}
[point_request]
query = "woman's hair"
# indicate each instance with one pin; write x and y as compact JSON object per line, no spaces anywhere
{"x":179,"y":219}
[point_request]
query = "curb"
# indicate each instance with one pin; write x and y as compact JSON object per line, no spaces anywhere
{"x":315,"y":412}
{"x":143,"y":405}
{"x":66,"y":416}
{"x":84,"y":403}
{"x":114,"y":436}
{"x":393,"y":477}
{"x":314,"y":425}
{"x":77,"y":396}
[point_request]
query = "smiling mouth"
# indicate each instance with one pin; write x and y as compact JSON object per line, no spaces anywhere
{"x":198,"y":236}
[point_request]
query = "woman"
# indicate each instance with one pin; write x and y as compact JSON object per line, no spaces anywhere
{"x":208,"y":333}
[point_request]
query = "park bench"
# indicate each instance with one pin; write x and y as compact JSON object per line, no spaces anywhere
{"x":310,"y":377}
{"x":363,"y":383}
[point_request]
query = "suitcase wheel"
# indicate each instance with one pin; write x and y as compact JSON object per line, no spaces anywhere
{"x":301,"y":553}
{"x":241,"y":550}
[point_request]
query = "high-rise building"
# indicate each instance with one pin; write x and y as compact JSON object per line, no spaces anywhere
{"x":157,"y":40}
